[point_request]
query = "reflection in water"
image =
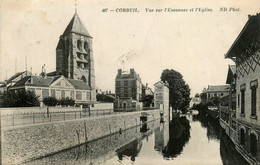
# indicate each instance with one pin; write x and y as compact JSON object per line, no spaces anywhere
{"x":179,"y":136}
{"x":228,"y":153}
{"x":130,"y":150}
{"x":196,"y":139}
{"x":211,"y":124}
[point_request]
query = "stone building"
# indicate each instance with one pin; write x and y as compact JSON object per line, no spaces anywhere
{"x":74,"y":54}
{"x":246,"y":55}
{"x":161,"y":95}
{"x":128,"y":87}
{"x":217,"y":91}
{"x":56,"y":86}
{"x":74,"y":76}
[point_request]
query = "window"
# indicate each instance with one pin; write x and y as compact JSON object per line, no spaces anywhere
{"x":242,"y":137}
{"x":253,"y":100}
{"x":253,"y":86}
{"x":88,"y":95}
{"x":52,"y":93}
{"x":125,"y":90}
{"x":79,"y":45}
{"x":86,"y":46}
{"x":253,"y":145}
{"x":117,"y":83}
{"x":78,"y":95}
{"x":125,"y":83}
{"x":62,"y":94}
{"x":117,"y":90}
{"x":242,"y":101}
{"x":238,"y":100}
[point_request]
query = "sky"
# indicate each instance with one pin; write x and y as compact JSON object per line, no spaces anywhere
{"x":192,"y":43}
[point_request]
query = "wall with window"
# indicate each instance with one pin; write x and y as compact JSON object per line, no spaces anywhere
{"x":248,"y":97}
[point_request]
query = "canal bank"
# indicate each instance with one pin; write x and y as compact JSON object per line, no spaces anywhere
{"x":190,"y":139}
{"x":43,"y":139}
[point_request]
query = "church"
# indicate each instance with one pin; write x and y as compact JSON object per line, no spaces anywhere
{"x":74,"y":76}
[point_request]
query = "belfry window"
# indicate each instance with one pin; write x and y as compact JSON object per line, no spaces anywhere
{"x":86,"y":46}
{"x":79,"y":45}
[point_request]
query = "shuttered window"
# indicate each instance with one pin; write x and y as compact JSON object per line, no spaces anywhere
{"x":242,"y":102}
{"x":253,"y":100}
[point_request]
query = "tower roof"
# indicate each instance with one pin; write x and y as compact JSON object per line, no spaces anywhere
{"x":76,"y":26}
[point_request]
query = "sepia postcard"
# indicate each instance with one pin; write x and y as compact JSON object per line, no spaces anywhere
{"x":140,"y":82}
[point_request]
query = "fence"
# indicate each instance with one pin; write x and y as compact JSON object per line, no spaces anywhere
{"x":9,"y":120}
{"x":42,"y":117}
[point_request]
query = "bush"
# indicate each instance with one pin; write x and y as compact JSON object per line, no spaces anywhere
{"x":50,"y":101}
{"x":19,"y":98}
{"x":66,"y":101}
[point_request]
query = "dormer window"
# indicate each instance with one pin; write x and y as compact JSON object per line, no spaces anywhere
{"x":79,"y":45}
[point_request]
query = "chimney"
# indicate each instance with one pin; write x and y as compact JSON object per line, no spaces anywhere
{"x":132,"y":72}
{"x":119,"y":72}
{"x":146,"y":85}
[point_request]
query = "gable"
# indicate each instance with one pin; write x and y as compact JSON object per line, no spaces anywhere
{"x":62,"y":82}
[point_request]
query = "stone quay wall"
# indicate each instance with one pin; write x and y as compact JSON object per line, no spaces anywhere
{"x":24,"y":143}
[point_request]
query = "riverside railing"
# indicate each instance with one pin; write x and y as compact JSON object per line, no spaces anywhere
{"x":15,"y":119}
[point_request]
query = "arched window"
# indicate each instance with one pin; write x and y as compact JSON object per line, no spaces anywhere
{"x":253,"y":144}
{"x":242,"y":136}
{"x":86,"y":46}
{"x":79,"y":45}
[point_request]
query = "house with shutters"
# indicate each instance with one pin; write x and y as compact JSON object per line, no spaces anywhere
{"x":56,"y":86}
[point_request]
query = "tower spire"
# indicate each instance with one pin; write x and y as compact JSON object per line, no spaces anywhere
{"x":75,"y":6}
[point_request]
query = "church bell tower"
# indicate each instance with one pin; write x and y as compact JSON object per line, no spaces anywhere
{"x":74,"y":55}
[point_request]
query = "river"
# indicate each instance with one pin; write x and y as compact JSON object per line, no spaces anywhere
{"x":190,"y":139}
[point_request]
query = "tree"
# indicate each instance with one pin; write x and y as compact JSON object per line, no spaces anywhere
{"x":179,"y":91}
{"x":203,"y":97}
{"x":50,"y":101}
{"x":147,"y":100}
{"x":21,"y":98}
{"x":197,"y":95}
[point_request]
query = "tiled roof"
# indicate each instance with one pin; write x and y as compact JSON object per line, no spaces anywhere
{"x":249,"y":36}
{"x":52,"y":73}
{"x":231,"y":73}
{"x":15,"y":76}
{"x":46,"y":82}
{"x":218,"y":88}
{"x":34,"y":81}
{"x":79,"y":84}
{"x":76,"y":26}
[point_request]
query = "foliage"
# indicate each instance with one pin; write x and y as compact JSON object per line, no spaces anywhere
{"x":19,"y":98}
{"x":66,"y":101}
{"x":50,"y":101}
{"x":105,"y":98}
{"x":197,"y":95}
{"x":179,"y":91}
{"x":203,"y":97}
{"x":147,"y":100}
